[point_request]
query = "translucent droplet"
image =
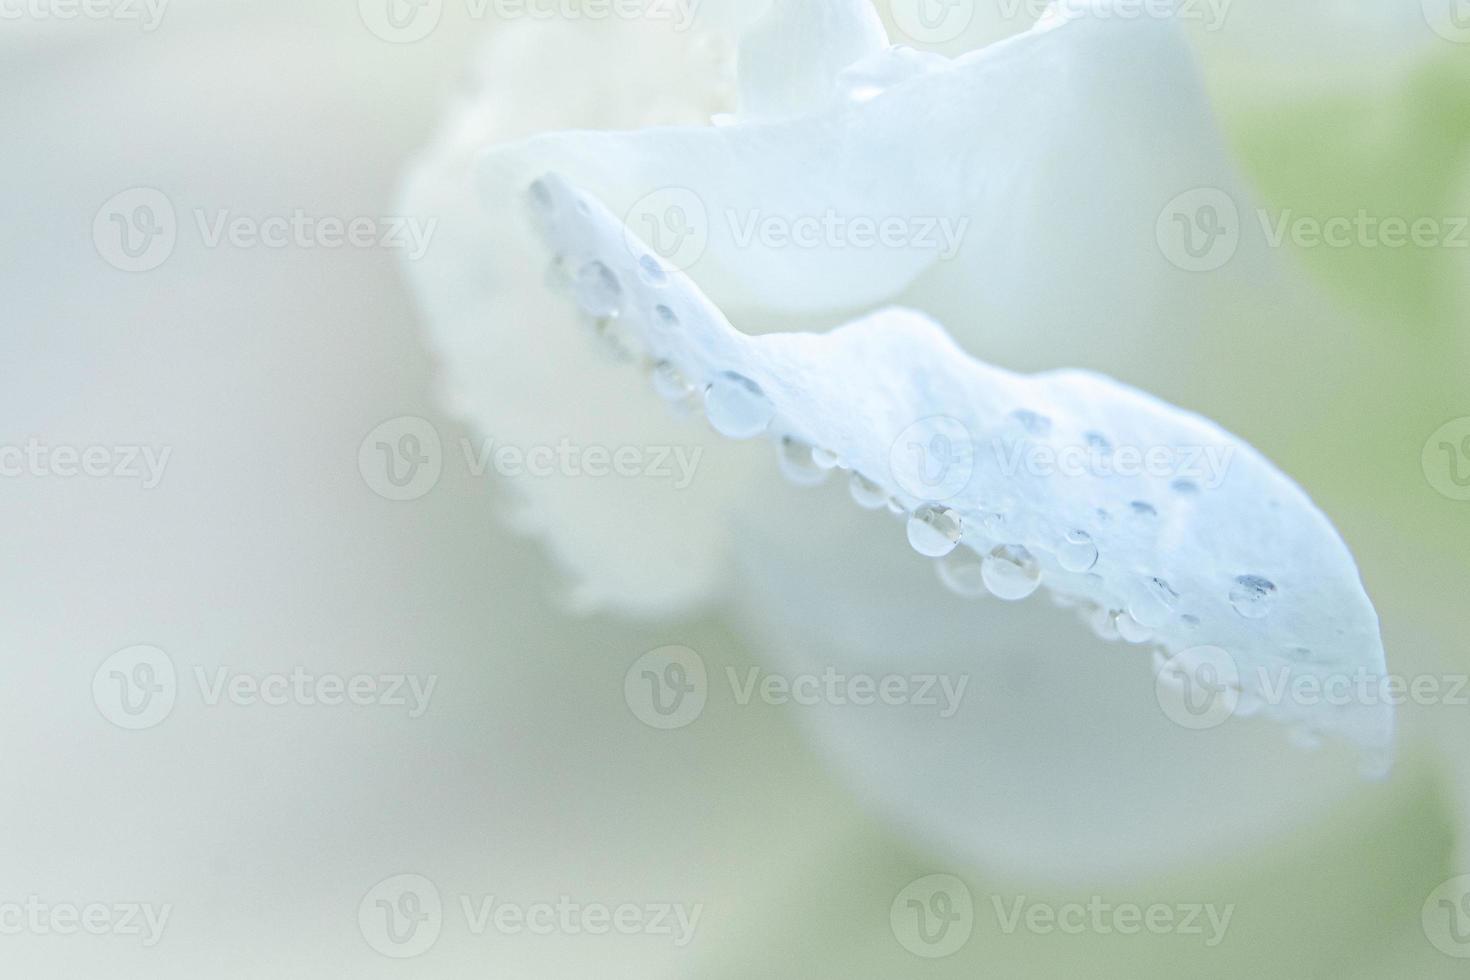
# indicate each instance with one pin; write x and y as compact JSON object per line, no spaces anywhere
{"x":935,"y":531}
{"x":1155,"y":606}
{"x":1190,"y":621}
{"x":1143,"y":509}
{"x":669,"y":382}
{"x":896,"y":507}
{"x":617,"y":340}
{"x":737,"y":407}
{"x":795,"y":458}
{"x":825,"y":458}
{"x":1036,"y":425}
{"x":540,"y":197}
{"x":1098,"y":443}
{"x":1187,"y":488}
{"x":867,"y":494}
{"x":963,"y":573}
{"x":1252,"y":596}
{"x":1012,"y":573}
{"x":665,"y":316}
{"x":1078,"y":552}
{"x":1131,"y":630}
{"x":597,"y":290}
{"x":1104,"y":623}
{"x":651,"y":272}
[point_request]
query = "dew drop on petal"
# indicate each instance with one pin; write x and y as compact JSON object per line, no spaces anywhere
{"x":1012,"y":573}
{"x":1131,"y":630}
{"x":825,"y":458}
{"x":867,"y":494}
{"x":1187,"y":488}
{"x":1155,"y":606}
{"x":540,"y":197}
{"x":651,"y":271}
{"x":1036,"y":425}
{"x":597,"y":290}
{"x":1252,"y":596}
{"x":797,"y":465}
{"x":1143,"y":510}
{"x":962,"y":572}
{"x":935,"y":531}
{"x":1078,"y":552}
{"x":669,"y":382}
{"x":737,"y":407}
{"x":665,"y":316}
{"x":1104,"y":623}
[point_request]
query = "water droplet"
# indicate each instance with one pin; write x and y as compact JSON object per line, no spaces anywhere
{"x":1187,"y":488}
{"x":867,"y":494}
{"x":540,"y":197}
{"x":896,"y":507}
{"x":597,"y":290}
{"x":737,"y":407}
{"x":1131,"y":630}
{"x":825,"y":458}
{"x":1104,"y":622}
{"x":1143,"y":509}
{"x":1036,"y":425}
{"x":795,"y":458}
{"x":665,"y":316}
{"x":651,"y":271}
{"x":1252,"y":596}
{"x":935,"y":531}
{"x":1098,"y":442}
{"x":1012,"y":573}
{"x":617,"y":340}
{"x":1155,"y":606}
{"x":1078,"y":552}
{"x":962,"y":572}
{"x":1190,"y":621}
{"x":669,"y":382}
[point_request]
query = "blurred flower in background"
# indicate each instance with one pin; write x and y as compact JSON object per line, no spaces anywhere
{"x":351,"y":630}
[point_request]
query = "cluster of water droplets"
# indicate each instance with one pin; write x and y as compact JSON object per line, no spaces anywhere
{"x":969,"y":565}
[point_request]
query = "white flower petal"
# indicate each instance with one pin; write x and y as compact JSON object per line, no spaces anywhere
{"x":791,"y":58}
{"x":1188,"y":532}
